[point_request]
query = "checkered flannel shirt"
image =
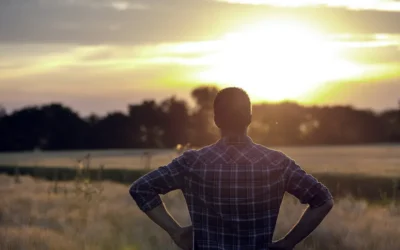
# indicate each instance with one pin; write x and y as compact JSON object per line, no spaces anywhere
{"x":233,"y":190}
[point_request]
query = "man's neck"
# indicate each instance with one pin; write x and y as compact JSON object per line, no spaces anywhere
{"x":232,"y":133}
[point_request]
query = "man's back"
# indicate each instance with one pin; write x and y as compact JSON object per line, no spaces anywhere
{"x":234,"y":189}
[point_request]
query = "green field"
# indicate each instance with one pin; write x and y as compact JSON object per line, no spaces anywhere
{"x":370,"y":173}
{"x":374,"y":160}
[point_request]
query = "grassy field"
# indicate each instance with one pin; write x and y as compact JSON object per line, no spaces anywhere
{"x":365,"y":172}
{"x":54,"y":214}
{"x":112,"y":159}
{"x":375,"y":160}
{"x":40,"y":215}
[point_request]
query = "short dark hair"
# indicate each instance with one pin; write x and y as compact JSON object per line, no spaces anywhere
{"x":232,"y":109}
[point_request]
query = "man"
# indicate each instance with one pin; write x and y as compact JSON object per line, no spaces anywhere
{"x":233,"y":188}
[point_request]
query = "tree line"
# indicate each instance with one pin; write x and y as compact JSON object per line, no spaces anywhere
{"x":171,"y":122}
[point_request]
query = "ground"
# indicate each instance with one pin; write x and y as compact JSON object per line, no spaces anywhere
{"x":36,"y":214}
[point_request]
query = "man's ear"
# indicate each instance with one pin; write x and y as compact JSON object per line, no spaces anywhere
{"x":217,"y":121}
{"x":250,"y":119}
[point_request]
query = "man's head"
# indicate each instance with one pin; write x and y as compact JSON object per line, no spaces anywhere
{"x":232,"y":110}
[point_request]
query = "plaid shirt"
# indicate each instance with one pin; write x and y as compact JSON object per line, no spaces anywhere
{"x":233,"y":190}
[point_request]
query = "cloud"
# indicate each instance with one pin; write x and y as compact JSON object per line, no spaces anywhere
{"x":119,"y":5}
{"x":107,"y":59}
{"x":127,"y":22}
{"x":124,"y":5}
{"x":386,"y":5}
{"x":368,"y":48}
{"x":377,"y":55}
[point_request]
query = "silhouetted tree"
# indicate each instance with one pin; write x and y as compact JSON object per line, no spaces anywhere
{"x":170,"y":122}
{"x":280,"y":123}
{"x":146,"y":119}
{"x":204,"y":97}
{"x":113,"y":132}
{"x":345,"y":125}
{"x":61,"y":128}
{"x":202,"y":129}
{"x":391,"y":120}
{"x":175,"y":122}
{"x":3,"y":112}
{"x":21,"y":130}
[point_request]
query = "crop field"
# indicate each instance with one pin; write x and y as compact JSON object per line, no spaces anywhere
{"x":57,"y":214}
{"x":381,"y":160}
{"x":38,"y":215}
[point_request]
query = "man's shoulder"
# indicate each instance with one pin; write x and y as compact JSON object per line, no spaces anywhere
{"x":192,"y":156}
{"x":271,"y":155}
{"x":195,"y":153}
{"x":257,"y":152}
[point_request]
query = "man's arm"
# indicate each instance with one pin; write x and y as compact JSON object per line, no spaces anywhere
{"x":309,"y":191}
{"x":162,"y":217}
{"x":146,"y":192}
{"x":310,"y":220}
{"x":182,"y":236}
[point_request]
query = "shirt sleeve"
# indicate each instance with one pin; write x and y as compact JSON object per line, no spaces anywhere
{"x":304,"y":186}
{"x":147,"y":189}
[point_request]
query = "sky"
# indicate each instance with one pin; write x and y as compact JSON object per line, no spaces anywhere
{"x":101,"y":55}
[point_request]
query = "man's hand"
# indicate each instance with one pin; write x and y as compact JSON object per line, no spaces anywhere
{"x":281,"y":245}
{"x":183,"y":238}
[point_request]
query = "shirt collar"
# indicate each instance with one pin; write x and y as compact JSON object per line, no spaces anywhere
{"x":235,"y":140}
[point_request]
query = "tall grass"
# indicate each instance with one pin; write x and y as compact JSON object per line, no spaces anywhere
{"x":33,"y":218}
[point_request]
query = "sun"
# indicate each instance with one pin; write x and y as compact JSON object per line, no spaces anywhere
{"x":277,"y":60}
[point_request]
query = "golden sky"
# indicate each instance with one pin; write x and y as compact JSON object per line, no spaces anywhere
{"x":98,"y":56}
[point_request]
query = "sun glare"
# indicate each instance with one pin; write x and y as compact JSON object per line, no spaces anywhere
{"x":277,"y":60}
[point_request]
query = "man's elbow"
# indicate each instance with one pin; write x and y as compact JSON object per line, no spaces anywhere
{"x":324,"y":207}
{"x":134,"y":190}
{"x":145,"y":198}
{"x":328,"y":205}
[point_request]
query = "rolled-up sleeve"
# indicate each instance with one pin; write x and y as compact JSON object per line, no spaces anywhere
{"x":147,"y":189}
{"x":304,"y":186}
